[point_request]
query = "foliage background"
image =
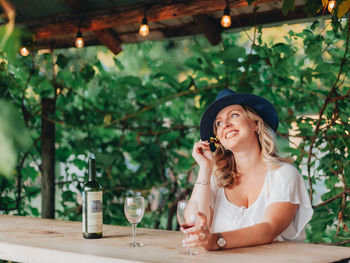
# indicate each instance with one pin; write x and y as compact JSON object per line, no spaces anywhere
{"x":139,"y":113}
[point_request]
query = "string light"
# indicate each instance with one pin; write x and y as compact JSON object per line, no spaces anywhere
{"x":144,"y":28}
{"x":226,"y":18}
{"x":331,"y":5}
{"x":24,"y":51}
{"x":79,"y":41}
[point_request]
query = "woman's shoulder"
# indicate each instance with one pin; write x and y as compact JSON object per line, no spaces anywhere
{"x":286,"y":167}
{"x":286,"y":171}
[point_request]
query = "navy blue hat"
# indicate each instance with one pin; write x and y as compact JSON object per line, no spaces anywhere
{"x":228,"y":97}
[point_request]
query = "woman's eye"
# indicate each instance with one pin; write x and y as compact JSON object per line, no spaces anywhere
{"x":234,"y":115}
{"x":218,"y":123}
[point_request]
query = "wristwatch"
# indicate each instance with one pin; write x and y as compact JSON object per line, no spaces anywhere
{"x":221,"y":242}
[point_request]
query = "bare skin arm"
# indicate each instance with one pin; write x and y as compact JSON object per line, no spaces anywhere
{"x":276,"y":219}
{"x":201,"y":191}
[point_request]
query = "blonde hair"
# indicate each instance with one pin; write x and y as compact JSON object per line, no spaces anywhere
{"x":224,"y":160}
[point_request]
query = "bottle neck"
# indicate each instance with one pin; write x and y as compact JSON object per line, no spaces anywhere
{"x":92,"y":170}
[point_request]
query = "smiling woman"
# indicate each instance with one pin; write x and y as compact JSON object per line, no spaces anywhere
{"x":246,"y":193}
{"x":243,"y":129}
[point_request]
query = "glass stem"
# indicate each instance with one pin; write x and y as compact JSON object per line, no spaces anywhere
{"x":188,"y":251}
{"x":133,"y":234}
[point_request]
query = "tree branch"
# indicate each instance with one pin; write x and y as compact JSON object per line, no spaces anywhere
{"x":19,"y":176}
{"x":327,"y":101}
{"x":162,"y":100}
{"x":136,"y":113}
{"x":347,"y":190}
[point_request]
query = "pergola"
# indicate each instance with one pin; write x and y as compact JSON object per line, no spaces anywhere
{"x":55,"y":23}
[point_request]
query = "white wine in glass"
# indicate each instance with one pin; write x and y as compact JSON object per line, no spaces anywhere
{"x":134,"y":207}
{"x":187,"y":216}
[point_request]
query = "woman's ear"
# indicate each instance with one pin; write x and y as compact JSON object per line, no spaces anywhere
{"x":256,"y":126}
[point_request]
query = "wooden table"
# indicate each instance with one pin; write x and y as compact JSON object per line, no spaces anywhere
{"x":26,"y":239}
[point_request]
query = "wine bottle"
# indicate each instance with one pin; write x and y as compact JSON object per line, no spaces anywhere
{"x":92,"y":204}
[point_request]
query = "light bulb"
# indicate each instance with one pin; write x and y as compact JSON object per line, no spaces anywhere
{"x":226,"y":19}
{"x":331,"y":5}
{"x":24,"y":51}
{"x":79,"y":41}
{"x":144,"y":28}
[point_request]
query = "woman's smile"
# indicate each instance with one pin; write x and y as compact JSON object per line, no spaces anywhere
{"x":231,"y":134}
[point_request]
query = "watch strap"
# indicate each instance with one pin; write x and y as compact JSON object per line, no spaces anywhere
{"x":220,"y":244}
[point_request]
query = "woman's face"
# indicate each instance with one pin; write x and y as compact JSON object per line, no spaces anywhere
{"x":234,"y":129}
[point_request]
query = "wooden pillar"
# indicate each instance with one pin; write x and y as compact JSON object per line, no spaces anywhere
{"x":48,"y":158}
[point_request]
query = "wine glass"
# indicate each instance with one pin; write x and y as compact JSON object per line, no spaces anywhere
{"x":134,"y":207}
{"x":186,"y":216}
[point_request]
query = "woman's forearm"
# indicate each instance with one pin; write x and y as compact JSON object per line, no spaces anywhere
{"x":201,"y":192}
{"x":258,"y":234}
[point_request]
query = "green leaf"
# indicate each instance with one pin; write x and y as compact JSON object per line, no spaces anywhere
{"x":118,"y":64}
{"x":29,"y":172}
{"x":87,"y":72}
{"x":62,"y":61}
{"x":130,"y":81}
{"x":68,"y":196}
{"x":193,"y":63}
{"x":232,"y":54}
{"x":10,"y":43}
{"x":80,"y":164}
{"x":288,"y":5}
{"x":315,"y":24}
{"x":35,"y":211}
{"x":14,"y":137}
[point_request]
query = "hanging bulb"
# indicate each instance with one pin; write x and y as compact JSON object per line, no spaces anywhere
{"x":331,"y":5}
{"x":144,"y":28}
{"x":79,"y":41}
{"x":226,"y":19}
{"x":24,"y":51}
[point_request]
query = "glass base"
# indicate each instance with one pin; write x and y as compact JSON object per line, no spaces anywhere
{"x":191,"y":252}
{"x":136,"y":244}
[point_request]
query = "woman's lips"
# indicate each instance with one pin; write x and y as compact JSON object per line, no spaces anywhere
{"x":230,"y":134}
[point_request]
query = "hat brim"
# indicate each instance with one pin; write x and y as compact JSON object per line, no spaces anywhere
{"x":260,"y":105}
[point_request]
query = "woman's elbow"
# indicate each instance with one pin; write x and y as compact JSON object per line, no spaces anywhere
{"x":268,"y":235}
{"x":267,"y":239}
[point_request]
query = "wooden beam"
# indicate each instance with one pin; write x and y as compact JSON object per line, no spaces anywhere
{"x":45,"y":43}
{"x":238,"y":22}
{"x":108,"y":38}
{"x":209,"y":27}
{"x":102,"y":19}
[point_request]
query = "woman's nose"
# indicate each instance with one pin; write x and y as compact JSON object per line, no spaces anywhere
{"x":227,"y":124}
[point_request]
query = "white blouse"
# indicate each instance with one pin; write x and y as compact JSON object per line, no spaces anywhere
{"x":284,"y":184}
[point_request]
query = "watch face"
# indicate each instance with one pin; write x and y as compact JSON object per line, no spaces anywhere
{"x":221,"y":242}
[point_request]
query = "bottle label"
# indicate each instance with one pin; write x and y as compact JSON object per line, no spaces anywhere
{"x":92,"y":214}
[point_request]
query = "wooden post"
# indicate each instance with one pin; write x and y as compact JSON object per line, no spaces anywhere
{"x":48,"y":158}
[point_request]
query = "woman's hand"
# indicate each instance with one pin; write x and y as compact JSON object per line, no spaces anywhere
{"x":200,"y":236}
{"x":202,"y":154}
